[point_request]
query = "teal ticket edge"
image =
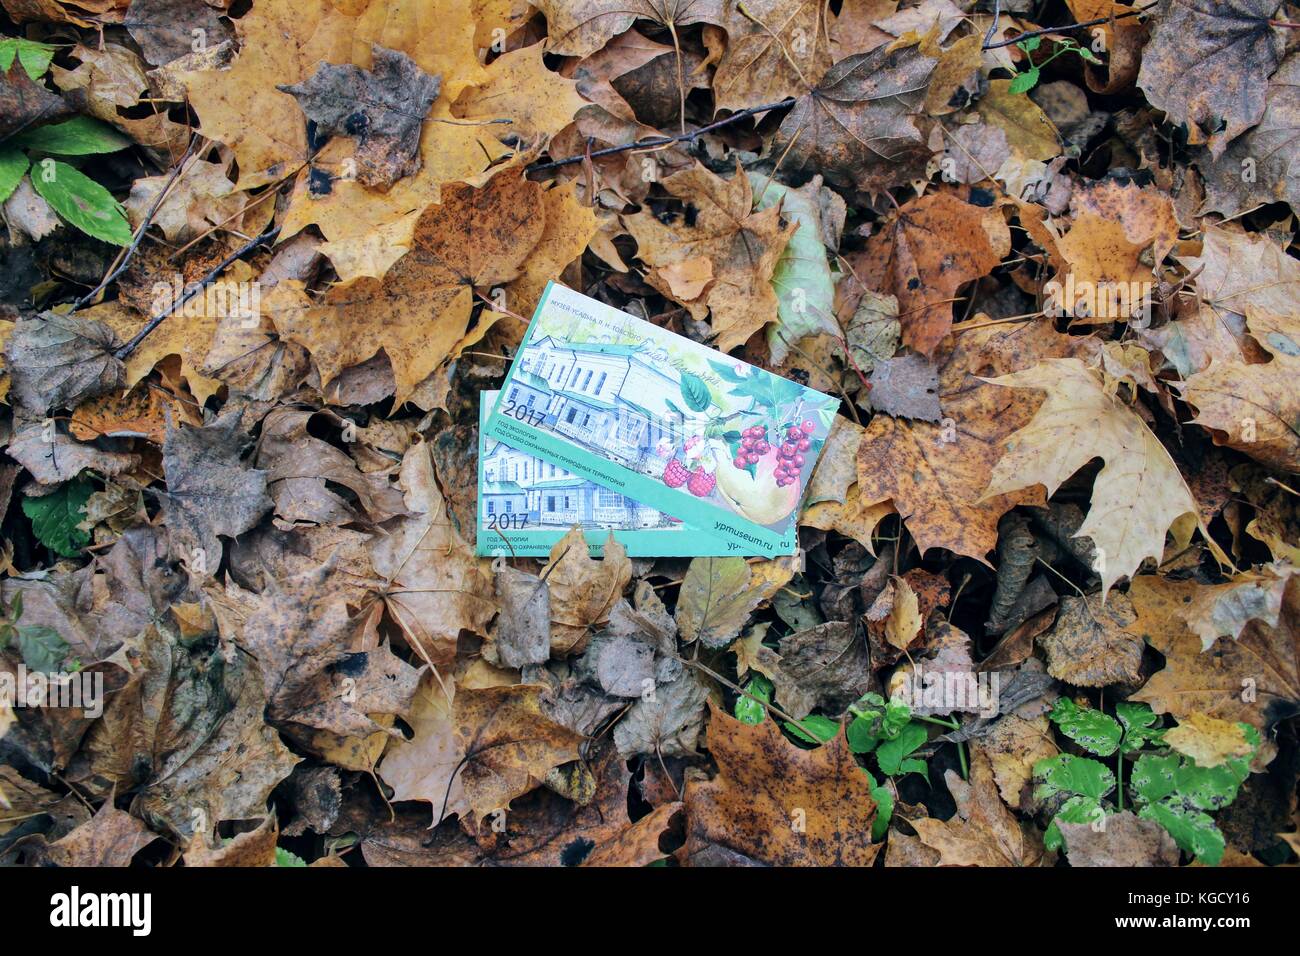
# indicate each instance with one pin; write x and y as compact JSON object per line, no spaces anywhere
{"x":745,"y":537}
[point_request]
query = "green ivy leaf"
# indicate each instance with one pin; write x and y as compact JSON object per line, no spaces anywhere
{"x":1031,"y":44}
{"x":1140,"y":729}
{"x":1092,"y":730}
{"x":861,"y":735}
{"x":1067,"y":773}
{"x":13,"y":165}
{"x":79,"y":136}
{"x":1153,"y":777}
{"x":42,"y":647}
{"x":884,"y":798}
{"x":1078,"y":809}
{"x":890,"y":754}
{"x":823,"y":727}
{"x":82,"y":202}
{"x":55,"y":517}
{"x":34,"y":57}
{"x":751,"y":711}
{"x":1024,"y":82}
{"x":1192,"y":830}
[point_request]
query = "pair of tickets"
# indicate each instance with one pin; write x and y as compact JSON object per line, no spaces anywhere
{"x":614,"y":424}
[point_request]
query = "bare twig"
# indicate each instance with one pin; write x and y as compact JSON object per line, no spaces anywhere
{"x":194,"y":289}
{"x":658,"y":142}
{"x":1066,"y":28}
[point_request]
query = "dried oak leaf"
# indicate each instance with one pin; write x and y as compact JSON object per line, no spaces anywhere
{"x":742,"y":245}
{"x":765,"y":785}
{"x":936,"y":475}
{"x":1255,"y":678}
{"x":1126,"y":840}
{"x":775,"y":48}
{"x":299,"y":632}
{"x":583,"y":590}
{"x":1208,"y":65}
{"x":383,"y":108}
{"x":824,"y":667}
{"x":24,"y":102}
{"x":110,"y":838}
{"x":420,"y":310}
{"x":906,"y":386}
{"x":859,"y":126}
{"x":581,"y":27}
{"x":477,"y":751}
{"x":1137,"y":497}
{"x":298,"y":465}
{"x":167,"y":29}
{"x":983,"y":832}
{"x":1090,"y":645}
{"x":1269,"y":151}
{"x":1254,"y":408}
{"x":435,"y":586}
{"x":926,"y":251}
{"x":210,"y":490}
{"x":58,"y":361}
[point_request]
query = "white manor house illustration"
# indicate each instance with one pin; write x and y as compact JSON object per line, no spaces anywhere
{"x":519,"y":486}
{"x":607,"y":398}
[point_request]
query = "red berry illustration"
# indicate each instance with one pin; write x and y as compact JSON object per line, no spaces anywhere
{"x":794,"y":434}
{"x":762,"y":448}
{"x":701,"y":483}
{"x":798,"y":461}
{"x":808,"y":426}
{"x":787,"y":450}
{"x":741,"y":461}
{"x":803,"y":444}
{"x":675,"y":474}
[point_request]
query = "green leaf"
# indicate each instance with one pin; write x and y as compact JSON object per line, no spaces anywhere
{"x":55,"y":517}
{"x":284,"y":858}
{"x":13,"y":164}
{"x":1067,"y":773}
{"x":79,"y":136}
{"x":1192,"y":830}
{"x":726,"y":372}
{"x":694,"y":392}
{"x":1209,"y":788}
{"x":82,"y":201}
{"x":1091,"y":729}
{"x":884,"y":798}
{"x":1140,"y":729}
{"x":823,"y":727}
{"x":1031,"y":44}
{"x":35,"y":57}
{"x":1152,"y":778}
{"x":1087,"y":54}
{"x":862,"y":739}
{"x":1078,"y":809}
{"x":41,"y":647}
{"x":1024,"y":82}
{"x":891,"y":753}
{"x":805,"y":291}
{"x":751,"y":711}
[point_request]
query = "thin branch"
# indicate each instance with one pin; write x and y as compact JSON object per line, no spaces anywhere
{"x":1066,"y":28}
{"x":657,"y":142}
{"x":194,"y":289}
{"x":131,"y":250}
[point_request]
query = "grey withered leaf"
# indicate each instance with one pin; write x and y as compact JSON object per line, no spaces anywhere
{"x":59,"y":361}
{"x":666,"y":722}
{"x":524,"y":623}
{"x":168,"y":29}
{"x":858,"y":126}
{"x":210,"y":490}
{"x":383,"y":108}
{"x":620,"y":664}
{"x":906,"y":386}
{"x":825,"y":666}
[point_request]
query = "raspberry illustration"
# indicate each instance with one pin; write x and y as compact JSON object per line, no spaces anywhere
{"x":701,"y":483}
{"x":675,"y":474}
